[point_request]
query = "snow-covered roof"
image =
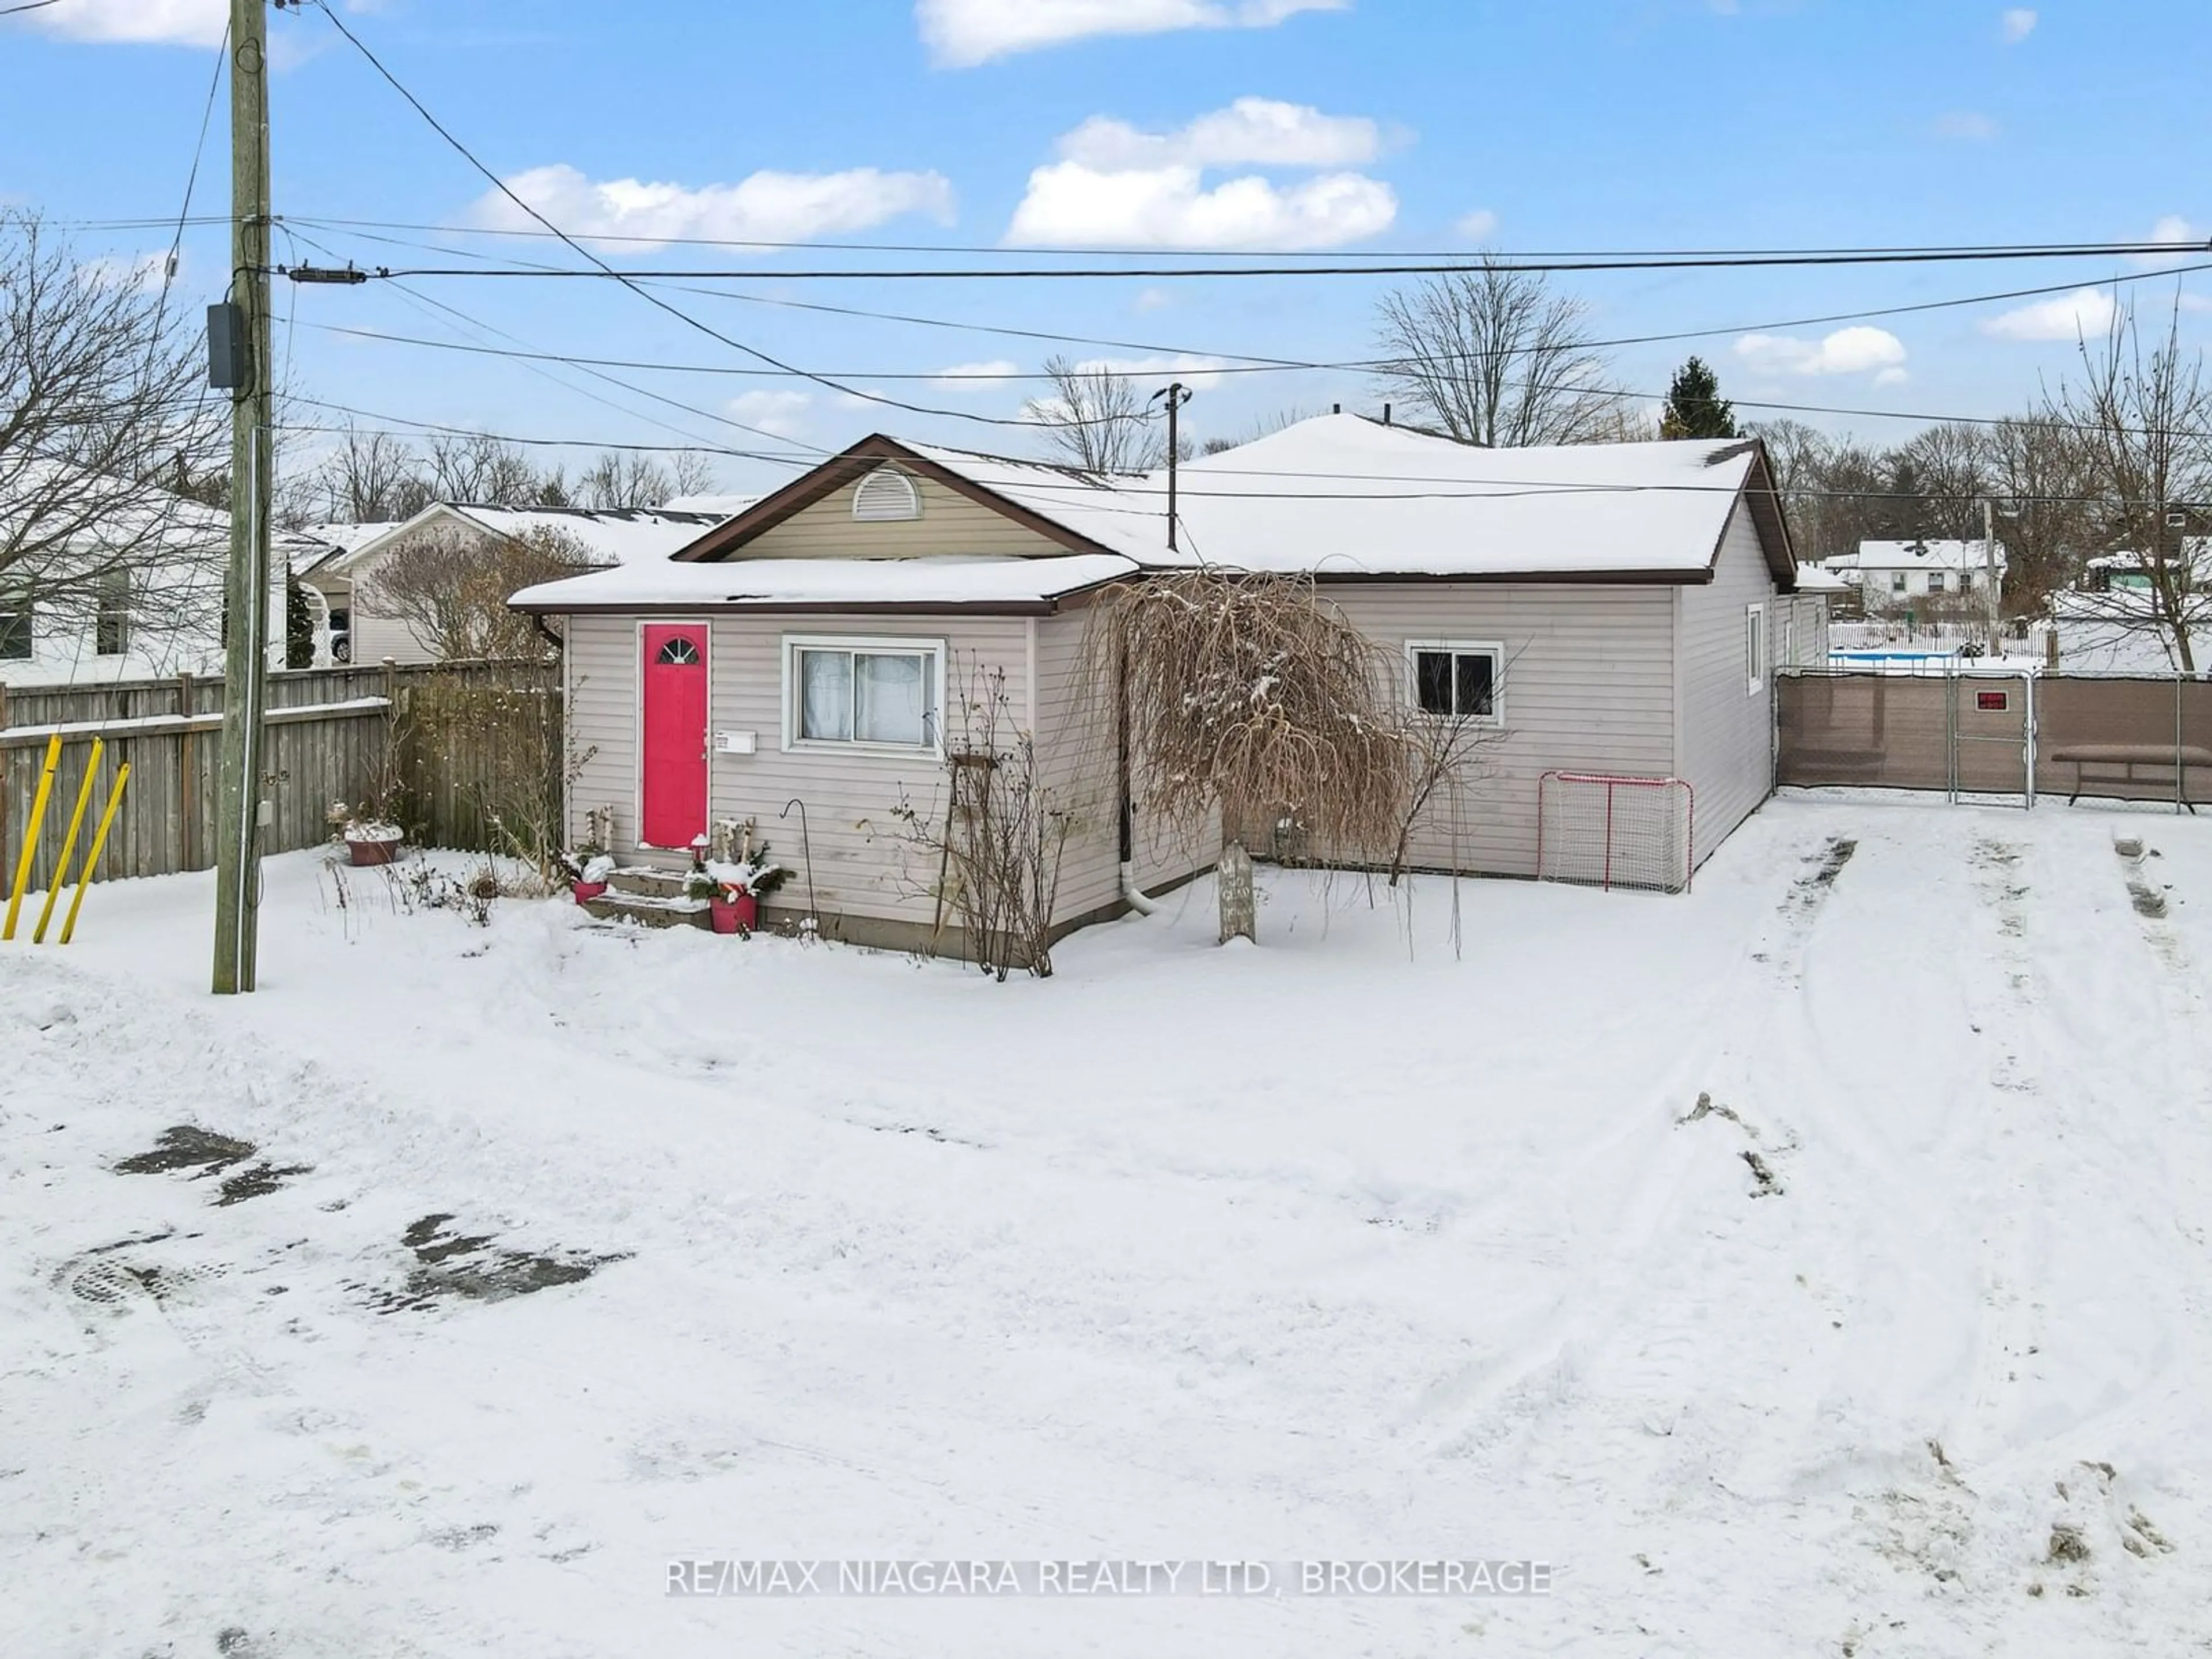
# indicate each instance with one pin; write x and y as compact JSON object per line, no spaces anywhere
{"x":1339,"y":496}
{"x":1000,"y":582}
{"x":104,"y":511}
{"x":1925,"y":555}
{"x":1817,"y":579}
{"x":608,"y":536}
{"x":722,"y":507}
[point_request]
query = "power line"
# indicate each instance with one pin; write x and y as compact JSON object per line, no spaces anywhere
{"x":405,"y":426}
{"x":607,"y":271}
{"x":1989,"y":250}
{"x":1421,"y":268}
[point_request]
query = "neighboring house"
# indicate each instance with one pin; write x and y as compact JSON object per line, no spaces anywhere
{"x":1608,"y":608}
{"x":604,"y":538}
{"x":1890,"y":574}
{"x":315,"y":554}
{"x":137,"y":594}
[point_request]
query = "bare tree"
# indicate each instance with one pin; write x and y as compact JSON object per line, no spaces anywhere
{"x":2041,"y":467}
{"x":618,"y":480}
{"x":105,"y":431}
{"x":374,"y":478}
{"x":451,"y":586}
{"x":1492,"y":356}
{"x":479,"y":468}
{"x":1263,"y":426}
{"x":690,"y":473}
{"x":2142,"y":410}
{"x":1098,"y":421}
{"x":1947,"y":466}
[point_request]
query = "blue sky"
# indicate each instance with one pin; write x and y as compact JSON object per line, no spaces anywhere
{"x":1185,"y":125}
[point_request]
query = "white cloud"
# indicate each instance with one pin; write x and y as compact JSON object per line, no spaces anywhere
{"x":172,"y":23}
{"x":960,"y":34}
{"x":1152,"y":299}
{"x":1966,"y":124}
{"x":771,"y":207}
{"x":2019,"y":23}
{"x":143,"y":271}
{"x":2084,"y":314}
{"x":1261,"y":131}
{"x":1478,"y":226}
{"x":1892,"y":377}
{"x":975,"y":377}
{"x":1071,"y":205}
{"x":779,"y":412}
{"x":1846,"y":351}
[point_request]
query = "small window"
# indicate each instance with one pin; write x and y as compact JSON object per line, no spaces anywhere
{"x":1457,"y":679}
{"x":1966,"y":581}
{"x":883,"y":694}
{"x":16,"y":627}
{"x":111,"y":632}
{"x":678,"y":653}
{"x":1934,"y":582}
{"x":884,"y":496}
{"x":1897,"y":582}
{"x":1754,"y":647}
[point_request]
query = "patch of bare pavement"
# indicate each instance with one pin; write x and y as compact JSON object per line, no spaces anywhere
{"x":456,"y":1267}
{"x":187,"y":1147}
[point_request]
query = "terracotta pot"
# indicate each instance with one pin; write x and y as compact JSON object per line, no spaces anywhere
{"x":366,"y":853}
{"x":586,"y":890}
{"x":740,"y":915}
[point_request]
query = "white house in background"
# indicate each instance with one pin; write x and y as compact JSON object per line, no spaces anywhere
{"x":146,"y":600}
{"x":1614,"y":609}
{"x":312,"y":551}
{"x":604,"y":537}
{"x":1896,"y":573}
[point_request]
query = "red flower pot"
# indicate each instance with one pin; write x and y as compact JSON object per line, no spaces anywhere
{"x":365,"y":853}
{"x":586,"y":890}
{"x":740,"y":915}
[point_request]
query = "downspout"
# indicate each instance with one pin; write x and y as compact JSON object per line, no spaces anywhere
{"x":1124,"y":804}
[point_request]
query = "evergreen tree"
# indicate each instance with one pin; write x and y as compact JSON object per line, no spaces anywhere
{"x":1695,"y":408}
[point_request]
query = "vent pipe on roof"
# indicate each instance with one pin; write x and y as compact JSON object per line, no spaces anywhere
{"x":1385,"y":414}
{"x":1336,"y":409}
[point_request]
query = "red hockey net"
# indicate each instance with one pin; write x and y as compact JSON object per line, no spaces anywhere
{"x":1608,"y":831}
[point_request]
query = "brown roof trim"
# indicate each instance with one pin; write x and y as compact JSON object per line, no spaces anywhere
{"x":841,"y":468}
{"x":791,"y":608}
{"x":1764,"y":501}
{"x":1677,"y":578}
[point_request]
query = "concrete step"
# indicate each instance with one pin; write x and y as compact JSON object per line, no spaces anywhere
{"x":642,"y":881}
{"x":649,"y":910}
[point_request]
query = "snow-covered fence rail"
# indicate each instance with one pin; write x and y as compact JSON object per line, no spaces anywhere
{"x":332,"y":732}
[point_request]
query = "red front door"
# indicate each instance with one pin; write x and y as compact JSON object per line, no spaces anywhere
{"x":673,"y":770}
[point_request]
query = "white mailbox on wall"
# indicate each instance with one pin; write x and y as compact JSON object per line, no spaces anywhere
{"x":736,"y":742}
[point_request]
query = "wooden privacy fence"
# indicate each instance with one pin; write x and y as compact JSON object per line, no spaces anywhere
{"x":2147,"y":738}
{"x":454,"y":735}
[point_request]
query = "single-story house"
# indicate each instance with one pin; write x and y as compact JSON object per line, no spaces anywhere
{"x":602,"y":537}
{"x":1604,"y":609}
{"x":1895,"y":573}
{"x":103,"y":581}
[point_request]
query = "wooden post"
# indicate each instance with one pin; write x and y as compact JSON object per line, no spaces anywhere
{"x":253,"y":457}
{"x":1233,"y":876}
{"x":188,"y":795}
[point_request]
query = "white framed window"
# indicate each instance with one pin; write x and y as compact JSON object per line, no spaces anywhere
{"x":1755,"y":647}
{"x":1897,"y":582}
{"x":17,"y":626}
{"x":1966,"y":581}
{"x":111,"y":632}
{"x":882,"y":693}
{"x":1458,"y":679}
{"x":1934,"y":582}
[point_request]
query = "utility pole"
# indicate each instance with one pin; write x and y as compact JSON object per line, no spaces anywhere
{"x":1177,"y":395}
{"x":253,"y":456}
{"x":1990,"y":573}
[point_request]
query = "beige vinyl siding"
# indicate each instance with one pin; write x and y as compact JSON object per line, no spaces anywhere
{"x":1075,"y":763}
{"x":603,"y":713}
{"x":950,"y":523}
{"x":1587,"y":686}
{"x":1728,"y":752}
{"x":375,"y":634}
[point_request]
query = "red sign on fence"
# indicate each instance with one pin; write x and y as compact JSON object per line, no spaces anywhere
{"x":1993,"y":702}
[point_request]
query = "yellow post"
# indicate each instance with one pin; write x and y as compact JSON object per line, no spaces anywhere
{"x":100,"y":841}
{"x":69,"y":843}
{"x":31,"y":834}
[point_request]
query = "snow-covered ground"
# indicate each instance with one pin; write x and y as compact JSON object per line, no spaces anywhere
{"x":1353,"y":1245}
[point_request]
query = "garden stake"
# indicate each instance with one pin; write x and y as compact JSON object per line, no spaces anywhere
{"x":31,"y":834}
{"x":107,"y":819}
{"x":69,"y":843}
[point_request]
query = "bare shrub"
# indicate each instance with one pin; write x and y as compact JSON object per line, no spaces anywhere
{"x":999,"y":845}
{"x":451,"y":586}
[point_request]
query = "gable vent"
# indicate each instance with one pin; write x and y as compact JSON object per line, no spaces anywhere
{"x":885,"y":494}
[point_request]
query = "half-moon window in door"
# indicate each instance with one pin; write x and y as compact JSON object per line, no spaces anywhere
{"x":678,"y":653}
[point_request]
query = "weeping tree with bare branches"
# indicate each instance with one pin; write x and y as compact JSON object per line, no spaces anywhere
{"x":1250,"y":696}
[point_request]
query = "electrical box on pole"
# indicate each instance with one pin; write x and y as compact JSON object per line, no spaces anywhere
{"x":228,"y":362}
